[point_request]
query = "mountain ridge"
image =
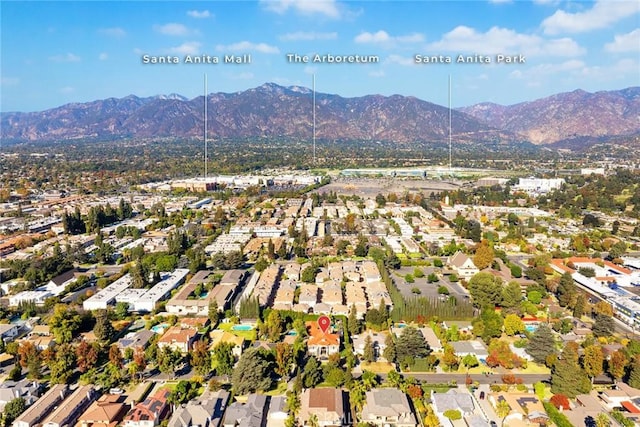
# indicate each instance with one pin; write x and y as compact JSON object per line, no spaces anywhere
{"x":271,"y":110}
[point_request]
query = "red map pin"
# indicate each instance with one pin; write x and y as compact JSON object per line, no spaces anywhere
{"x":324,"y":323}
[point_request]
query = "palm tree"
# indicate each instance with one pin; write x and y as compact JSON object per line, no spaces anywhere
{"x":502,"y":410}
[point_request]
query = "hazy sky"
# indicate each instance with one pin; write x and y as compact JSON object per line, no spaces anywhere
{"x":58,"y":52}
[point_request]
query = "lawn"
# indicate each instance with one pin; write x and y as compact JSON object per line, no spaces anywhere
{"x":377,"y":367}
{"x":279,"y":390}
{"x":533,"y":368}
{"x":247,"y":335}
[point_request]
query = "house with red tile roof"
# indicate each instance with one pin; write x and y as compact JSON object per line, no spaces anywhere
{"x":321,"y":344}
{"x":178,"y":338}
{"x":150,"y":412}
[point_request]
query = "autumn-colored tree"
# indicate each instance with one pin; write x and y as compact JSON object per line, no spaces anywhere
{"x":139,"y":360}
{"x":449,"y":359}
{"x":593,"y":360}
{"x":201,"y":357}
{"x":115,"y":357}
{"x":86,"y":356}
{"x":604,"y":308}
{"x":560,"y":401}
{"x":617,"y":364}
{"x":415,"y":391}
{"x":513,"y":324}
{"x":27,"y":352}
{"x":484,"y":255}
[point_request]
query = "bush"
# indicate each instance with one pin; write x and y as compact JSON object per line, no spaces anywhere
{"x":516,"y":271}
{"x":452,"y":414}
{"x":438,"y":263}
{"x":417,"y":272}
{"x":453,"y":277}
{"x":432,"y":278}
{"x":409,"y":278}
{"x":416,"y":290}
{"x":443,"y":290}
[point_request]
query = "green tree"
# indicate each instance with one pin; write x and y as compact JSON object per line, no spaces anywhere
{"x":284,"y":358}
{"x":352,"y":322}
{"x":542,"y":344}
{"x":567,"y":377}
{"x":223,"y":355}
{"x":61,"y":368}
{"x":511,"y":296}
{"x":411,"y":345}
{"x":103,"y":328}
{"x":13,"y":409}
{"x":183,"y":392}
{"x":274,"y":325}
{"x":368,"y":353}
{"x":485,"y":289}
{"x":566,"y":290}
{"x":452,"y":414}
{"x":261,"y":264}
{"x":634,"y":373}
{"x":579,"y":307}
{"x":64,"y":323}
{"x":168,"y":360}
{"x":213,"y":313}
{"x":603,"y":326}
{"x":121,"y":310}
{"x":389,"y":352}
{"x":309,"y":274}
{"x":502,"y":410}
{"x":252,"y":373}
{"x":312,"y":373}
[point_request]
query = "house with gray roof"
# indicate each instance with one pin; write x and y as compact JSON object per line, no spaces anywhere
{"x":134,"y":340}
{"x":388,"y":407}
{"x":206,"y":411}
{"x":452,"y":400}
{"x":28,"y":390}
{"x":250,"y":414}
{"x":475,"y":347}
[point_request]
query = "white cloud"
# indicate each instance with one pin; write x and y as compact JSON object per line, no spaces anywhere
{"x":545,"y":1}
{"x":309,"y":69}
{"x":500,"y":1}
{"x":199,"y":14}
{"x":9,"y":81}
{"x":245,"y":46}
{"x":328,"y":8}
{"x":498,"y":40}
{"x":377,"y":73}
{"x":115,"y":32}
{"x":68,"y":57}
{"x":601,"y":15}
{"x":103,"y":56}
{"x":308,"y":36}
{"x":172,"y":29}
{"x":383,"y":38}
{"x":186,"y":48}
{"x":400,"y":60}
{"x":67,"y":90}
{"x":629,"y":42}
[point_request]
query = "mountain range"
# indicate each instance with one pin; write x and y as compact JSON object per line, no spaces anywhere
{"x":271,"y":111}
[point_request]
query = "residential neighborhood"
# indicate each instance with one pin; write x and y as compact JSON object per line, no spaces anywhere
{"x":167,"y":308}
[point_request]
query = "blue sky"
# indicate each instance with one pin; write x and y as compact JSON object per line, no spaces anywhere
{"x":55,"y":53}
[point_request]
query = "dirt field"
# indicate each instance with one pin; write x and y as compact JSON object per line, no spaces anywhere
{"x":370,"y":187}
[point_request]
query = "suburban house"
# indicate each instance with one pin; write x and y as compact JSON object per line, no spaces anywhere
{"x":178,"y":338}
{"x":108,"y":411}
{"x":321,"y":344}
{"x":278,"y":412}
{"x":250,"y":414}
{"x":26,"y":389}
{"x":451,"y":400}
{"x":327,"y":405}
{"x":388,"y":407}
{"x":150,"y":412}
{"x":134,"y":340}
{"x":377,"y":341}
{"x":206,"y":411}
{"x":473,"y":347}
{"x":217,"y":336}
{"x":43,"y":406}
{"x":463,"y":266}
{"x":68,"y":412}
{"x":524,"y":407}
{"x":8,"y":331}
